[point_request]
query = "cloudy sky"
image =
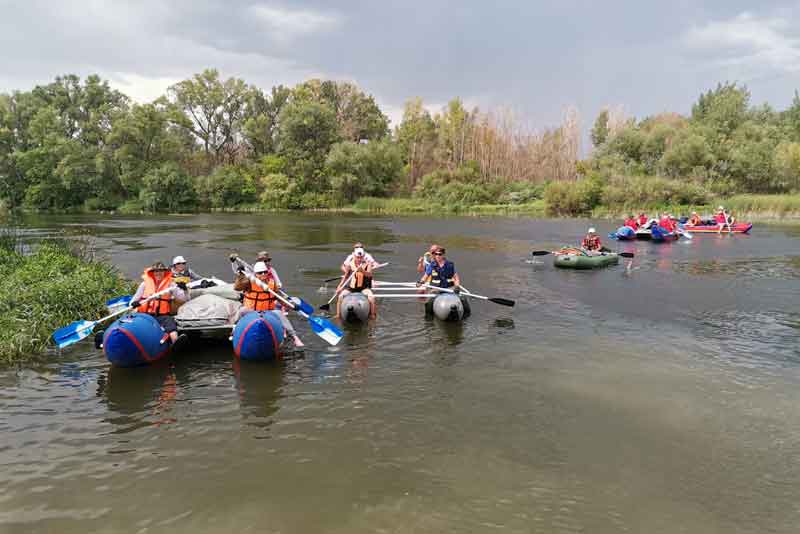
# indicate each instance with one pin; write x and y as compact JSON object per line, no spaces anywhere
{"x":532,"y":56}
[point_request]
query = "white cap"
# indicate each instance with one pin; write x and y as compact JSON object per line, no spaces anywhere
{"x":592,"y":230}
{"x":720,"y":208}
{"x":359,"y":251}
{"x":260,"y":267}
{"x":178,"y":259}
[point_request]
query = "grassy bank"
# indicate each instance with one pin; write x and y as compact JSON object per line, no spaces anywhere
{"x":409,"y":206}
{"x":56,"y":284}
{"x":752,"y":208}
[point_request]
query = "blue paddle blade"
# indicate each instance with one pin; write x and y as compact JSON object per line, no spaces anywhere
{"x":66,"y":336}
{"x":118,"y":303}
{"x":325,"y":329}
{"x":302,"y":305}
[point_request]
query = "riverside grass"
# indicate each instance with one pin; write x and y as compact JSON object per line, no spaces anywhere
{"x":59,"y":282}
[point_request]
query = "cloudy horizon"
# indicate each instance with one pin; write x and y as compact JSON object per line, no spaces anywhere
{"x":532,"y":57}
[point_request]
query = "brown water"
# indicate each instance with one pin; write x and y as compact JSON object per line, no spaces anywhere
{"x":658,"y":398}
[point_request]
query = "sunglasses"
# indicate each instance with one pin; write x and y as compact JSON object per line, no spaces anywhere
{"x":438,"y":253}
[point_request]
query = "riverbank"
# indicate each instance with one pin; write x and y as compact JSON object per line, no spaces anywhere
{"x":40,"y":291}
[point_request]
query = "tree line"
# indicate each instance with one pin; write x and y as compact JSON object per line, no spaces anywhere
{"x":214,"y":143}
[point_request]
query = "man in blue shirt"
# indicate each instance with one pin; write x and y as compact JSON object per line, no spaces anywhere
{"x":441,"y":272}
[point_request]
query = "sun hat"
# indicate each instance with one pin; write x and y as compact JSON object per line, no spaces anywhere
{"x":359,"y":252}
{"x":592,"y":230}
{"x":260,"y":267}
{"x":263,"y":255}
{"x":178,"y":259}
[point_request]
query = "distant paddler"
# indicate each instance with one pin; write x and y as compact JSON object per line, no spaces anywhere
{"x":591,"y":242}
{"x":426,"y":259}
{"x":357,"y":278}
{"x":441,"y":273}
{"x":256,"y":298}
{"x":155,"y":279}
{"x":180,"y":270}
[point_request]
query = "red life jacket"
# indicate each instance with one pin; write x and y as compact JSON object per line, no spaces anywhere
{"x":161,"y":305}
{"x":259,"y":299}
{"x":591,"y":243}
{"x":720,"y":218}
{"x":642,"y":220}
{"x":631,"y":223}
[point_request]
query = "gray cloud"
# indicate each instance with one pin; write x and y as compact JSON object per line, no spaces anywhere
{"x":535,"y":57}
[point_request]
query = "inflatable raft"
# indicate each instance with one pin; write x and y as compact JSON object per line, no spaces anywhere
{"x":257,"y":336}
{"x":623,"y":233}
{"x":446,"y":307}
{"x":573,"y":259}
{"x":737,"y":228}
{"x":354,"y":308}
{"x":135,"y":340}
{"x":661,"y":234}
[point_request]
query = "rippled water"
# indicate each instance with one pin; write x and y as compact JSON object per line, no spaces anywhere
{"x":656,"y":397}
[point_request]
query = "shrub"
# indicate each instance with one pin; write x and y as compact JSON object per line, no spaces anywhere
{"x":572,"y":198}
{"x":227,"y":187}
{"x":641,"y":191}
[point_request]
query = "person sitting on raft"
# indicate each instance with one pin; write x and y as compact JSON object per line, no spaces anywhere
{"x":591,"y":243}
{"x":181,"y":270}
{"x":426,"y":259}
{"x":262,"y":256}
{"x":723,"y":219}
{"x":163,"y":308}
{"x":666,"y":222}
{"x":630,"y":222}
{"x":367,"y":257}
{"x":441,"y":272}
{"x":256,"y":298}
{"x":642,"y":220}
{"x":694,"y":220}
{"x":358,"y":277}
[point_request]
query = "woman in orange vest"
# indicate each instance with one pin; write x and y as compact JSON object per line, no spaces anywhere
{"x":155,"y":279}
{"x":361,"y":280}
{"x":256,"y":298}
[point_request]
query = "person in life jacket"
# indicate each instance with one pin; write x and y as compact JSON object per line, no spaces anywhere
{"x":357,"y":278}
{"x":723,"y":219}
{"x":666,"y":222}
{"x":694,"y":220}
{"x":642,"y":219}
{"x":181,"y":270}
{"x":256,"y":298}
{"x":367,"y":257}
{"x":441,"y":272}
{"x":591,"y":242}
{"x":426,"y":259}
{"x":262,"y":256}
{"x":630,"y":222}
{"x":155,"y":279}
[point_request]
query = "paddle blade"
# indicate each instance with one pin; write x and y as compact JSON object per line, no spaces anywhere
{"x":302,"y":305}
{"x":503,"y":302}
{"x":325,"y":329}
{"x":66,"y":336}
{"x":325,"y":307}
{"x":626,"y":254}
{"x":540,"y":253}
{"x":118,"y":303}
{"x":332,"y":279}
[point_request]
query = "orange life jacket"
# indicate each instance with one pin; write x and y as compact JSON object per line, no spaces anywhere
{"x":591,"y":243}
{"x":259,"y":299}
{"x":360,"y":280}
{"x":157,"y":306}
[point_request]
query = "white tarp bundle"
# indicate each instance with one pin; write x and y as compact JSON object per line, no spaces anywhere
{"x":207,"y":310}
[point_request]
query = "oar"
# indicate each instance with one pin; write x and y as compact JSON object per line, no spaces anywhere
{"x":546,"y":252}
{"x":116,"y":303}
{"x":327,"y":305}
{"x":496,"y":300}
{"x":305,"y":306}
{"x":685,"y":233}
{"x":321,"y":326}
{"x":72,"y":333}
{"x":331,"y":279}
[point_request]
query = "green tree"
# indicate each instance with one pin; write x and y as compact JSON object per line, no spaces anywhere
{"x":723,"y":109}
{"x":688,"y":152}
{"x":599,"y":132}
{"x":454,"y":127}
{"x":416,"y":136}
{"x":227,"y":187}
{"x":358,"y":169}
{"x":307,"y":132}
{"x":787,"y":166}
{"x":260,"y":128}
{"x":168,"y":189}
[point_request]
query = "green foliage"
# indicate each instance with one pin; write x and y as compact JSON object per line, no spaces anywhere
{"x":651,"y":191}
{"x":357,"y":169}
{"x":168,"y":189}
{"x":599,"y":132}
{"x":227,"y":187}
{"x":48,"y":289}
{"x":787,"y":166}
{"x":517,"y":193}
{"x":307,"y":131}
{"x":573,"y":198}
{"x":280,"y":192}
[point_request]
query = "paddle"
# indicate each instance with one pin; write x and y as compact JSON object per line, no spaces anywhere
{"x":727,"y":220}
{"x":117,"y":303}
{"x":327,"y":305}
{"x":72,"y":333}
{"x":305,"y":306}
{"x":496,"y":300}
{"x":546,"y":252}
{"x":321,"y":326}
{"x":682,"y":231}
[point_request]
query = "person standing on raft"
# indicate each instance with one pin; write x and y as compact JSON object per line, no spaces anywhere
{"x":441,"y":272}
{"x":256,"y":298}
{"x":155,"y":279}
{"x":358,"y":279}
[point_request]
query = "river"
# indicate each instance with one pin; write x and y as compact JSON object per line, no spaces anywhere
{"x":658,"y":397}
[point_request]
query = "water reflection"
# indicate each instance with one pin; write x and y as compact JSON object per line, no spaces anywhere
{"x":258,"y":385}
{"x":139,"y":397}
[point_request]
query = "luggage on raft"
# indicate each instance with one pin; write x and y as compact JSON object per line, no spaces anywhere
{"x":135,"y":340}
{"x":623,"y":233}
{"x":661,"y":234}
{"x":257,"y":336}
{"x":446,"y":307}
{"x":575,"y":259}
{"x":354,"y":308}
{"x":220,"y":288}
{"x":208,"y":315}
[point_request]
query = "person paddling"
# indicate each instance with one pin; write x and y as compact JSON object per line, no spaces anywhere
{"x":262,"y":256}
{"x":630,"y":222}
{"x":256,"y":298}
{"x":357,"y":278}
{"x":441,"y":272}
{"x":154,"y":279}
{"x":591,"y":242}
{"x":722,"y":219}
{"x":642,"y":219}
{"x":367,"y":257}
{"x":181,"y":270}
{"x":694,"y":220}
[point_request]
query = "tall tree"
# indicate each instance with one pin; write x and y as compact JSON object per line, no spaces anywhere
{"x":416,"y":136}
{"x":307,"y":132}
{"x":261,"y":119}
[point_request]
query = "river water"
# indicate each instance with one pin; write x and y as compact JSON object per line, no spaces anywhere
{"x":658,"y":397}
